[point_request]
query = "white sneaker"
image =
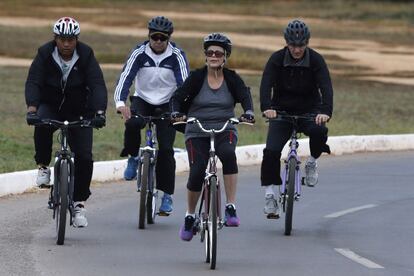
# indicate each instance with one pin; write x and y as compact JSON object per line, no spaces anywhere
{"x":311,"y":170}
{"x":79,"y":218}
{"x":271,"y":209}
{"x":43,"y":177}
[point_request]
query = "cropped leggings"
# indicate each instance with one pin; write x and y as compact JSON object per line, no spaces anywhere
{"x":198,"y":155}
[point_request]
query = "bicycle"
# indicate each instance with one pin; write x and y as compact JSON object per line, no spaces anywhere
{"x":147,"y":159}
{"x":61,"y":192}
{"x":209,"y":218}
{"x":290,"y":190}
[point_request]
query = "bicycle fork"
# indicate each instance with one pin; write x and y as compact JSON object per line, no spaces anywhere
{"x":285,"y":178}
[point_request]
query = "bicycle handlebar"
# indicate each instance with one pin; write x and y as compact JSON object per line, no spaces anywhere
{"x":164,"y":116}
{"x":193,"y":120}
{"x":65,"y":124}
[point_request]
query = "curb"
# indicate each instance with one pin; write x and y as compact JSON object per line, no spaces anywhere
{"x":18,"y":182}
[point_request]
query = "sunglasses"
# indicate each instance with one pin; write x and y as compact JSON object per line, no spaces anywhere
{"x":159,"y":37}
{"x":217,"y":54}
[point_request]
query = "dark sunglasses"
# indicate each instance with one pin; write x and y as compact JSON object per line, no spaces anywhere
{"x":217,"y":54}
{"x":160,"y":37}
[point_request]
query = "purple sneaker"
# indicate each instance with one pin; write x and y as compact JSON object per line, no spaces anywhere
{"x":231,"y":218}
{"x":186,"y":231}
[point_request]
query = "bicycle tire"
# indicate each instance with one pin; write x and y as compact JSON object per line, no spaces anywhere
{"x":290,"y":187}
{"x":212,"y":222}
{"x":144,"y":190}
{"x":62,"y":205}
{"x":152,"y":196}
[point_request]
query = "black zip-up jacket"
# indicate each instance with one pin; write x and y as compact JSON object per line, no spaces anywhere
{"x":184,"y":95}
{"x":85,"y":90}
{"x":296,"y":89}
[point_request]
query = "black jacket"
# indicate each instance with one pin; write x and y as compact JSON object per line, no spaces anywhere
{"x":85,"y":91}
{"x":296,"y":89}
{"x":184,"y":95}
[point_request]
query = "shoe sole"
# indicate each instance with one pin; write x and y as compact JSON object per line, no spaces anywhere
{"x":164,"y":214}
{"x":273,"y":216}
{"x":45,"y":186}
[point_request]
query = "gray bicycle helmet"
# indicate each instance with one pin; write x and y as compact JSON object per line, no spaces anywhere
{"x":161,"y":24}
{"x":297,"y":33}
{"x":218,"y":39}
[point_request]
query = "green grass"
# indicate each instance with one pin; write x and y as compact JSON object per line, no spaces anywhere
{"x":360,"y":107}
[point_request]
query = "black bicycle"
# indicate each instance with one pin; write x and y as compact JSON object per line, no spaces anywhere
{"x":147,"y":159}
{"x":61,"y":193}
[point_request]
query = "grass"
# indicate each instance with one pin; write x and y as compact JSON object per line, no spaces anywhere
{"x":360,"y":107}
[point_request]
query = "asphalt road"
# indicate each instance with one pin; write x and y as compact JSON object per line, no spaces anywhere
{"x":356,"y":221}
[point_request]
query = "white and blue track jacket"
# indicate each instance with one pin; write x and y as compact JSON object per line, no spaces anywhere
{"x":156,"y":76}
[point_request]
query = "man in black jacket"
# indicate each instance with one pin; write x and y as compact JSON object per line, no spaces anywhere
{"x":295,"y":80}
{"x":65,"y":82}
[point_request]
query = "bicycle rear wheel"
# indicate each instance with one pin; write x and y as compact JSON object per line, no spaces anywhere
{"x":212,"y":223}
{"x":61,"y":202}
{"x":152,"y":196}
{"x":290,"y":187}
{"x":144,"y":189}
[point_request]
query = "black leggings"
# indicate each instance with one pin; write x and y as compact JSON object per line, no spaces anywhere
{"x":198,"y":154}
{"x":80,"y":142}
{"x":165,"y":168}
{"x":278,"y":135}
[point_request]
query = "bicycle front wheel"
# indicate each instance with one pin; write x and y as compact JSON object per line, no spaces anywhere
{"x":212,"y":222}
{"x":152,"y":196}
{"x":61,"y":203}
{"x":144,"y":189}
{"x":290,"y":194}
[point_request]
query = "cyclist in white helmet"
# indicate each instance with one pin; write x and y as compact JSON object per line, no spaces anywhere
{"x":64,"y":83}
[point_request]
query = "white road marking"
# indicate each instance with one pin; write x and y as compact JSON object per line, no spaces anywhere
{"x":351,"y":210}
{"x":356,"y":258}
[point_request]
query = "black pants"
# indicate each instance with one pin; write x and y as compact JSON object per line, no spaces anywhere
{"x":165,"y":167}
{"x":198,"y":155}
{"x":80,"y":142}
{"x":278,"y":134}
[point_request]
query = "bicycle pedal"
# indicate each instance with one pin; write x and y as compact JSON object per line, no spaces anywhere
{"x":273,"y":216}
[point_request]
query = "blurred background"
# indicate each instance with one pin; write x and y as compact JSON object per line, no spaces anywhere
{"x":367,"y":45}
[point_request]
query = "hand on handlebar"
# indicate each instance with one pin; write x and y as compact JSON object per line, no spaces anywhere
{"x":178,"y":117}
{"x":98,"y":121}
{"x":32,"y":118}
{"x":321,"y":119}
{"x":247,"y":118}
{"x":125,"y":111}
{"x":270,"y":113}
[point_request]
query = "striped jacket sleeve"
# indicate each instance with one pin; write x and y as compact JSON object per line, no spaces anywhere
{"x":181,"y":71}
{"x":127,"y":76}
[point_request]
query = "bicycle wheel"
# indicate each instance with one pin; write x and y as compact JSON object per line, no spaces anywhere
{"x":152,"y":196}
{"x":212,"y":222}
{"x":290,"y":187}
{"x":62,"y":202}
{"x":144,"y":189}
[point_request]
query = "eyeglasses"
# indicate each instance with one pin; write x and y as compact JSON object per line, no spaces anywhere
{"x":301,"y":46}
{"x":159,"y":37}
{"x":217,"y":54}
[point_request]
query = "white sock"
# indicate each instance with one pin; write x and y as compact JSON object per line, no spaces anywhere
{"x":232,"y":204}
{"x":269,"y":190}
{"x":311,"y":159}
{"x":188,"y":214}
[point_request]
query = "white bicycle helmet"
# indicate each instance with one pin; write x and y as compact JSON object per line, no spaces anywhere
{"x":66,"y":26}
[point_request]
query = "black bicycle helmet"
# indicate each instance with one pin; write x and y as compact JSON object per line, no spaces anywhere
{"x":218,"y":39}
{"x":297,"y":33}
{"x":161,"y":24}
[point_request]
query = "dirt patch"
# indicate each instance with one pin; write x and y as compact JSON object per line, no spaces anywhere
{"x":379,"y":58}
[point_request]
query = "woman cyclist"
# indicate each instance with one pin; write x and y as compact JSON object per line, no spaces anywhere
{"x":210,"y":94}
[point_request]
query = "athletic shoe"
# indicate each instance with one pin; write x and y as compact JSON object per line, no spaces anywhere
{"x":186,"y":231}
{"x":166,"y":205}
{"x":231,"y":218}
{"x":79,"y":218}
{"x":271,"y":209}
{"x":130,"y":172}
{"x":43,"y":177}
{"x":311,"y":170}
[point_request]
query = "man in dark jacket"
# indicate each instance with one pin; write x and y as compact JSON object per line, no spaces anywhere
{"x":295,"y":80}
{"x":65,"y":82}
